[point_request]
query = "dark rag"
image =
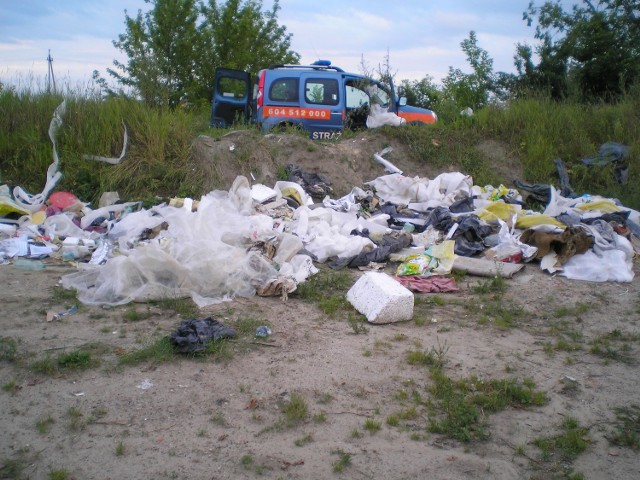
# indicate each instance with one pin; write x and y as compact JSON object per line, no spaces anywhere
{"x":193,"y":335}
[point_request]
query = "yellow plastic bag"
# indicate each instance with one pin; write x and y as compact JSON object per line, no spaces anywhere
{"x":606,"y":206}
{"x":498,"y":210}
{"x":528,"y":221}
{"x":443,"y":257}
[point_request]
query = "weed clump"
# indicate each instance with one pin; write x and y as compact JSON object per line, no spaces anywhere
{"x":295,"y":411}
{"x":562,"y":449}
{"x":627,"y":427}
{"x":8,"y":349}
{"x":326,"y":290}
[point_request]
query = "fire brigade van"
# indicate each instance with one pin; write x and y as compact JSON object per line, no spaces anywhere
{"x":319,"y":98}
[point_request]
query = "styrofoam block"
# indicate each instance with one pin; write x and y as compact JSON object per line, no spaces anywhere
{"x":261,"y":193}
{"x":381,"y":299}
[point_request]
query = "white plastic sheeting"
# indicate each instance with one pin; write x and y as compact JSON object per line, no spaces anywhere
{"x":33,"y":203}
{"x":209,"y":254}
{"x":420,"y":194}
{"x":205,"y":254}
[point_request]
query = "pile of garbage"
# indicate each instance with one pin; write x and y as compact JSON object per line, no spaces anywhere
{"x":255,"y":239}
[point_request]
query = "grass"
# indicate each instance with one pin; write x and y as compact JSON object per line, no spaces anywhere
{"x":12,"y":468}
{"x":434,"y":357}
{"x":616,"y":346}
{"x":157,"y":351}
{"x":459,"y":408}
{"x":576,"y":311}
{"x":160,"y":350}
{"x":295,"y":411}
{"x":68,"y":298}
{"x":626,"y":431}
{"x":75,"y":419}
{"x":327,"y":290}
{"x":8,"y":349}
{"x":183,"y":307}
{"x":393,"y":420}
{"x":218,"y":419}
{"x":10,"y":387}
{"x":357,"y":323}
{"x":300,"y":442}
{"x":493,"y":310}
{"x":158,"y":163}
{"x":77,"y":359}
{"x":325,"y":398}
{"x":246,"y":460}
{"x":80,"y":359}
{"x":249,"y":463}
{"x":372,"y":426}
{"x":132,"y":314}
{"x":120,"y":448}
{"x":495,"y":285}
{"x":43,"y":424}
{"x":320,"y":417}
{"x":58,"y":474}
{"x":343,"y":462}
{"x":560,"y":450}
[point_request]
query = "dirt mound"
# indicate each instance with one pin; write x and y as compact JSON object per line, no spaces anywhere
{"x":345,"y":163}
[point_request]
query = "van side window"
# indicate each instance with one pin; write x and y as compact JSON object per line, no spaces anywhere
{"x":321,"y":91}
{"x":284,"y":90}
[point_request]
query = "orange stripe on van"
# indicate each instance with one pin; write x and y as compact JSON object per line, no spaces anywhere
{"x":417,"y":117}
{"x":295,"y":112}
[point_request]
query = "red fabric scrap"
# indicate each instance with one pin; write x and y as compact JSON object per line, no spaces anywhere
{"x":435,"y":283}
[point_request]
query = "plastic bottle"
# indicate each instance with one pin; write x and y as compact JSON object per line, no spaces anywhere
{"x":32,"y":265}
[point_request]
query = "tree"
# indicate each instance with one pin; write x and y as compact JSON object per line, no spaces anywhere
{"x":421,"y":93}
{"x":471,"y":89}
{"x":175,"y":47}
{"x":159,"y":46}
{"x":593,"y":49}
{"x":239,"y":35}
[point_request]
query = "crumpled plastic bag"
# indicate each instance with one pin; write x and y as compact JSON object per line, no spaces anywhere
{"x":436,"y":260}
{"x":193,"y":335}
{"x":380,"y":116}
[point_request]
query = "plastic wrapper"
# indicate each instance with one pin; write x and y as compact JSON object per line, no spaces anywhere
{"x":414,"y":265}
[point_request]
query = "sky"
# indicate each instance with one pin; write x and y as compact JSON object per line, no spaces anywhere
{"x":421,"y":37}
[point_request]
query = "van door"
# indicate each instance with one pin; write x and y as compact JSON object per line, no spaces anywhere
{"x":231,"y":98}
{"x":322,"y":99}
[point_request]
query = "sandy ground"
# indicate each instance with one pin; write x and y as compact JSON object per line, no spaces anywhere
{"x":205,"y":419}
{"x":223,"y":419}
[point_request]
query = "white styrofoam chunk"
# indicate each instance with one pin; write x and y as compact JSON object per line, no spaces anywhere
{"x":381,"y":299}
{"x":261,"y":193}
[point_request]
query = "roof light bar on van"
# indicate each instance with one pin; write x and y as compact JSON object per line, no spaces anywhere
{"x":312,"y":67}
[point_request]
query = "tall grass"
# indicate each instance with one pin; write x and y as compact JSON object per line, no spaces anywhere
{"x":159,"y":160}
{"x":158,"y":157}
{"x":541,"y":130}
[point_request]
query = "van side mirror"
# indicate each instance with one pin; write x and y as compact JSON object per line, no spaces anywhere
{"x":402,"y":101}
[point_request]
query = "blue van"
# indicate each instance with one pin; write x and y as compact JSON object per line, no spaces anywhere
{"x":319,"y":98}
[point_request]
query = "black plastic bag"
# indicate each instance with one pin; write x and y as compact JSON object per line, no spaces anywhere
{"x":194,"y":335}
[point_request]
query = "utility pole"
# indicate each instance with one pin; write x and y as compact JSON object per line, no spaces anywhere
{"x":51,"y":79}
